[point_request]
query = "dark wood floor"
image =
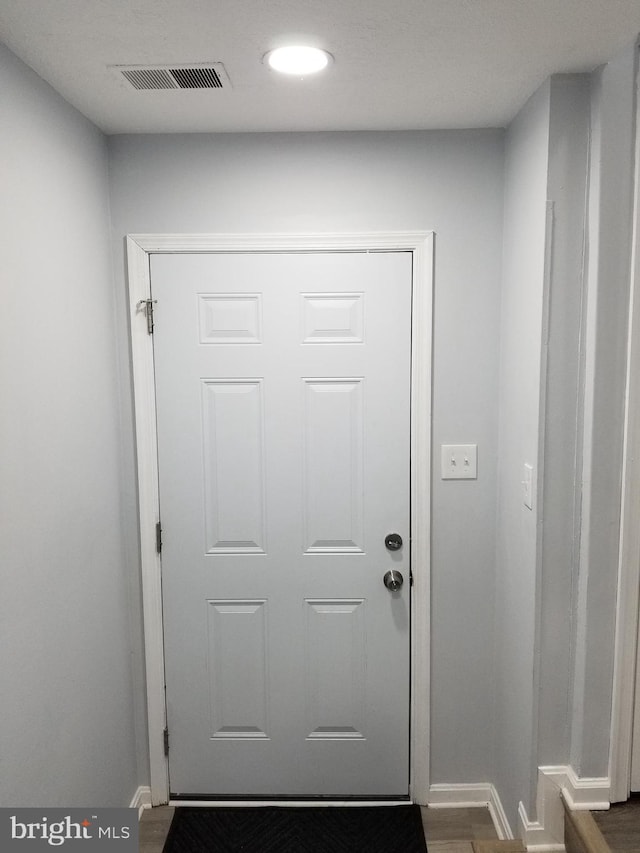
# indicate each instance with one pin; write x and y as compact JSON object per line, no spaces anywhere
{"x":620,"y":826}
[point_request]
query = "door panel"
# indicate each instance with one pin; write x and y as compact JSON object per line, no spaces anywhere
{"x":332,"y":464}
{"x":283,"y":402}
{"x":233,"y":462}
{"x":336,"y":669}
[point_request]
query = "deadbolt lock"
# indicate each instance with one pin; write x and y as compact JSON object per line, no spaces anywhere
{"x":393,"y":541}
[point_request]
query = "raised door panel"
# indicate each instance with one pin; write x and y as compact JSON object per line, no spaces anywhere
{"x":335,"y":670}
{"x":230,"y":318}
{"x":234,"y":466}
{"x":333,"y":318}
{"x":237,"y":663}
{"x":333,"y":466}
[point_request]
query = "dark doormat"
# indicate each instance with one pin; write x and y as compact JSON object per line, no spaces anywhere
{"x":270,"y":829}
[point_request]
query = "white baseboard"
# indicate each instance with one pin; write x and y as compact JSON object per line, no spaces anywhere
{"x":537,"y":837}
{"x":477,"y":795}
{"x":141,"y":800}
{"x":499,"y":816}
{"x":546,"y":834}
{"x":587,"y":793}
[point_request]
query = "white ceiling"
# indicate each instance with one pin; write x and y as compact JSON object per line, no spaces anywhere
{"x":404,"y":64}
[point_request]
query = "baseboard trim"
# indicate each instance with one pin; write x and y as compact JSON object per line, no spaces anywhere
{"x":141,"y":800}
{"x":546,"y":834}
{"x":587,"y":793}
{"x":536,"y":837}
{"x":499,"y":816}
{"x":476,"y":795}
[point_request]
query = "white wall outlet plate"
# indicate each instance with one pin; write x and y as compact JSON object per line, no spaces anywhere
{"x":459,"y":461}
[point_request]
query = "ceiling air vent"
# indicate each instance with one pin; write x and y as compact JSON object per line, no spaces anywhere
{"x":211,"y":75}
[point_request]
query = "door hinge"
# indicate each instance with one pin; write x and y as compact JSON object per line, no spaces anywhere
{"x":165,"y":735}
{"x":158,"y":538}
{"x":148,"y":310}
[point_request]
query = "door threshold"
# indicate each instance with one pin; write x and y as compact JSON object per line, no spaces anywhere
{"x":290,"y":803}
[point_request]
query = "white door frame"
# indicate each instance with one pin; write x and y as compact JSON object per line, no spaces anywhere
{"x":420,"y":243}
{"x":626,"y":684}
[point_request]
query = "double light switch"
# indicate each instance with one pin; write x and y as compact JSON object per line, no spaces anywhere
{"x":459,"y":461}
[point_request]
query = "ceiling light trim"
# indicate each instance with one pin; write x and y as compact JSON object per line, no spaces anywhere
{"x":298,"y":60}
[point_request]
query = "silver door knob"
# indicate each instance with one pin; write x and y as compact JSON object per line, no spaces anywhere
{"x":393,"y":580}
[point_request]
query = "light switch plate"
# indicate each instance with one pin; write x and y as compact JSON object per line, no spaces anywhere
{"x":459,"y":461}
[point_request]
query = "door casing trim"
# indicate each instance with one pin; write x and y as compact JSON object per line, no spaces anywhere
{"x":421,"y":245}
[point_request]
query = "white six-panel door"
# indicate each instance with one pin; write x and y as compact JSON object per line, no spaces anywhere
{"x":283,"y":404}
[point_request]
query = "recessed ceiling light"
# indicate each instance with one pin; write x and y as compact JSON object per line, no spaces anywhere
{"x":298,"y":60}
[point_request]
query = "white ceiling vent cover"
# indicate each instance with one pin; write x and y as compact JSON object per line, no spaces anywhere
{"x":210,"y":75}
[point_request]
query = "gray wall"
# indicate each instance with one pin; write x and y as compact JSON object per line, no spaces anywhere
{"x":67,"y":731}
{"x":562,"y":398}
{"x":524,"y":240}
{"x":450,"y":182}
{"x":569,"y":172}
{"x":606,"y":321}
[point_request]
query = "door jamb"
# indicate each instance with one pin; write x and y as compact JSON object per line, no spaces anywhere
{"x":421,"y":245}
